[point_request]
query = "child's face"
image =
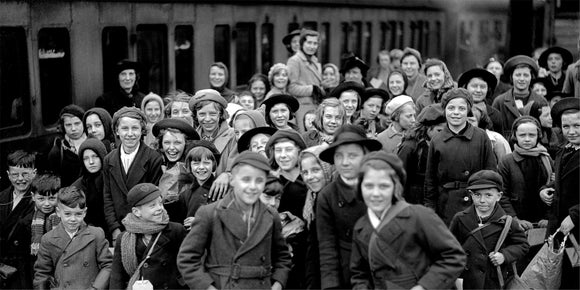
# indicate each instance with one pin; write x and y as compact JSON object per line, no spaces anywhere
{"x":44,"y":203}
{"x":248,"y":183}
{"x":247,"y":102}
{"x":485,"y":200}
{"x":202,"y":169}
{"x":21,"y":177}
{"x":151,"y":211}
{"x":242,"y":125}
{"x":71,"y":218}
{"x":571,"y":127}
{"x":269,"y":200}
{"x":286,"y":155}
{"x":527,"y":135}
{"x":258,"y":143}
{"x":312,"y":173}
{"x":92,"y":161}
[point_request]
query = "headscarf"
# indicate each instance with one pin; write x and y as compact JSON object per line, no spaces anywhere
{"x":310,"y":203}
{"x":448,"y":79}
{"x":107,"y":120}
{"x":223,"y":89}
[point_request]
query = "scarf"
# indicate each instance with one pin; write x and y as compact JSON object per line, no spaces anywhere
{"x":41,"y":224}
{"x":135,"y":225}
{"x":538,"y":151}
{"x":325,"y":137}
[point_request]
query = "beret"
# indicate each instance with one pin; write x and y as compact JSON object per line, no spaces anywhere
{"x":346,"y":86}
{"x":514,"y":61}
{"x":397,"y":102}
{"x":178,"y":124}
{"x":485,"y":179}
{"x":130,"y":112}
{"x":142,"y":193}
{"x":483,"y":74}
{"x":431,"y":115}
{"x":253,"y":159}
{"x":561,"y":106}
{"x":288,"y":38}
{"x":349,"y":134}
{"x":390,"y":158}
{"x":207,"y":95}
{"x":353,"y":62}
{"x":454,"y":94}
{"x":289,"y":134}
{"x":73,"y":110}
{"x":566,"y":56}
{"x":244,"y":142}
{"x":411,"y":51}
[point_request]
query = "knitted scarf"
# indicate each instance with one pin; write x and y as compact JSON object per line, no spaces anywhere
{"x":541,"y":151}
{"x":41,"y":224}
{"x":135,"y":225}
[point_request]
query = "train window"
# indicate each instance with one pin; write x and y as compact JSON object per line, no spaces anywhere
{"x":400,"y":34}
{"x":438,"y":37}
{"x":184,"y":58}
{"x":152,"y":55}
{"x":356,"y":38}
{"x":115,"y":48}
{"x":293,"y":26}
{"x":324,"y":42}
{"x":312,"y":25}
{"x":425,"y":38}
{"x":221,"y":48}
{"x":267,"y":42}
{"x":385,"y":30}
{"x":344,"y":45}
{"x":55,"y":73}
{"x":14,"y":82}
{"x":366,"y":42}
{"x":414,"y":42}
{"x":245,"y":51}
{"x":483,"y":32}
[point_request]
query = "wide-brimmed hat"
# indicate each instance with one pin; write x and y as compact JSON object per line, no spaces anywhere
{"x":347,"y":86}
{"x":483,"y":74}
{"x":353,"y":62}
{"x":288,"y":38}
{"x":127,"y":64}
{"x":514,"y":61}
{"x":561,"y":106}
{"x":372,"y":92}
{"x":178,"y":124}
{"x":244,"y":142}
{"x":566,"y":56}
{"x":349,"y":134}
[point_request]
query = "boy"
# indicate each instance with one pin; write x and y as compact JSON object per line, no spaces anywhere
{"x":478,"y":229}
{"x":44,"y":194}
{"x":148,"y":249}
{"x":73,"y":255}
{"x":239,"y":236}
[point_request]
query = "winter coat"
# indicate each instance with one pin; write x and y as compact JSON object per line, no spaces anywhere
{"x":337,"y":210}
{"x":303,"y":73}
{"x":390,"y":138}
{"x":15,"y":238}
{"x":572,"y":80}
{"x":146,"y":167}
{"x":506,"y":105}
{"x":161,"y":267}
{"x":415,"y":88}
{"x":233,"y":259}
{"x":479,"y":272}
{"x":193,"y":197}
{"x":567,"y":186}
{"x":79,"y":263}
{"x":414,"y":248}
{"x":225,"y":133}
{"x":64,"y":162}
{"x":451,"y":160}
{"x":114,"y":100}
{"x":414,"y":154}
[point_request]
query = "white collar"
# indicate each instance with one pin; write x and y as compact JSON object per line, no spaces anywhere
{"x":375,"y":221}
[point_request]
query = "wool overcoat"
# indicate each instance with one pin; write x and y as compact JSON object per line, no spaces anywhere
{"x":64,"y":162}
{"x":218,"y":250}
{"x":567,"y":185}
{"x":114,"y":100}
{"x":506,"y":105}
{"x":303,"y":73}
{"x":79,"y":263}
{"x":146,"y":167}
{"x":414,"y":154}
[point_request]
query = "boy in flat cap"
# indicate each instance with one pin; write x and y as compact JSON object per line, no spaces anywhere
{"x":237,"y":242}
{"x":147,"y":251}
{"x":478,"y":229}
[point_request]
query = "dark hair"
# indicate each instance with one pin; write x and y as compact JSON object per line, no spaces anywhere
{"x":405,"y":80}
{"x":72,"y":197}
{"x":45,"y":185}
{"x":273,"y":187}
{"x":523,"y":65}
{"x":271,"y":151}
{"x":21,"y":158}
{"x":304,"y":34}
{"x":175,"y":96}
{"x":197,"y":154}
{"x":380,"y":165}
{"x":483,"y":122}
{"x":259,"y":77}
{"x":248,"y":93}
{"x":531,"y":120}
{"x":291,"y":116}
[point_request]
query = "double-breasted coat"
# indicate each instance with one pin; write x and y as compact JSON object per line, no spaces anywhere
{"x":234,"y":259}
{"x":146,"y":167}
{"x":506,"y":105}
{"x":414,"y":248}
{"x":79,"y":263}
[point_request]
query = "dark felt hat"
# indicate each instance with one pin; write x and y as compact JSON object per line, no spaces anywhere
{"x":561,"y":106}
{"x":566,"y":56}
{"x":289,"y":100}
{"x":483,"y":74}
{"x":288,"y":134}
{"x":287,"y":40}
{"x":431,"y":115}
{"x":254,"y":159}
{"x":514,"y":61}
{"x":353,"y":62}
{"x":554,"y":94}
{"x":485,"y":179}
{"x":372,"y":92}
{"x":142,"y":193}
{"x":206,"y":144}
{"x":127,"y":64}
{"x":347,"y":86}
{"x":349,"y":134}
{"x":178,"y":124}
{"x":454,"y":94}
{"x":244,"y":142}
{"x":390,"y":158}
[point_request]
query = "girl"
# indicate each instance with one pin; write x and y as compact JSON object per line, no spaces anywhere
{"x":210,"y":115}
{"x":154,"y":109}
{"x":495,"y":67}
{"x":247,"y":100}
{"x":278,"y":79}
{"x":98,"y":125}
{"x":330,"y":77}
{"x":439,"y":81}
{"x":411,"y":66}
{"x":280,"y":109}
{"x":348,"y":93}
{"x":259,"y":86}
{"x":178,"y":107}
{"x":330,"y":116}
{"x":368,"y":117}
{"x":401,"y":111}
{"x":397,"y":83}
{"x":218,"y":80}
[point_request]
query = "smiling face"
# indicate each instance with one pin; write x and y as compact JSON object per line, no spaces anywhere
{"x":312,"y":173}
{"x":435,"y":77}
{"x":202,"y":169}
{"x":571,"y":127}
{"x":181,"y":110}
{"x":71,"y":218}
{"x":247,"y":102}
{"x":173,"y":145}
{"x":353,"y":75}
{"x":347,"y":160}
{"x":129,"y":131}
{"x":280,"y":79}
{"x":280,"y":115}
{"x":248,"y":183}
{"x":396,"y":84}
{"x":456,"y":113}
{"x":310,"y":46}
{"x":527,"y":135}
{"x":95,"y":127}
{"x":349,"y":100}
{"x":151,"y":211}
{"x":329,"y":74}
{"x":477,"y":88}
{"x":127,"y":79}
{"x":286,"y":155}
{"x":522,"y":76}
{"x":153,"y":111}
{"x":21,"y":177}
{"x":208,"y":117}
{"x":410,"y":66}
{"x":377,"y":188}
{"x":217,"y":77}
{"x":258,"y":143}
{"x":331,"y":120}
{"x":73,"y":127}
{"x":484,"y":200}
{"x":92,"y":161}
{"x":258,"y":89}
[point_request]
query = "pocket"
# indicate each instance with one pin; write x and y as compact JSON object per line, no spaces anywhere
{"x":402,"y":281}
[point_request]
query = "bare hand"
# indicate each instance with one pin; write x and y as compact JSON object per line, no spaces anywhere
{"x":276,"y":286}
{"x":417,"y":287}
{"x":219,"y":186}
{"x":547,"y":195}
{"x":543,"y":224}
{"x":525,"y":225}
{"x":567,"y":225}
{"x":187,"y":222}
{"x":496,"y":258}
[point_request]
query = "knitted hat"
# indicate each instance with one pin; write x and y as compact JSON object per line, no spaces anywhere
{"x":390,"y":158}
{"x":207,"y":95}
{"x":253,"y":159}
{"x":456,"y":93}
{"x":431,"y":115}
{"x":130,"y":112}
{"x":72,"y":110}
{"x":142,"y":193}
{"x":411,"y":51}
{"x":397,"y":102}
{"x":485,"y":179}
{"x":289,"y":134}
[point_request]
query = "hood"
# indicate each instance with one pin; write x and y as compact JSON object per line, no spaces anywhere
{"x":315,"y":151}
{"x":106,"y":119}
{"x":95,"y":145}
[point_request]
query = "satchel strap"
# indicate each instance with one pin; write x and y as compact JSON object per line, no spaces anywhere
{"x":502,"y":236}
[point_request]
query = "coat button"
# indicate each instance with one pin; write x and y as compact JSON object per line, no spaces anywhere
{"x":16,"y":243}
{"x":340,"y":204}
{"x":263,"y":258}
{"x":466,"y":173}
{"x":146,"y":265}
{"x":164,"y":264}
{"x":65,"y":264}
{"x":466,"y":198}
{"x":85,"y":264}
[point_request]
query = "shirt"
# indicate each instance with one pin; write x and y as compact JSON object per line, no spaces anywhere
{"x":127,"y":159}
{"x":16,"y":198}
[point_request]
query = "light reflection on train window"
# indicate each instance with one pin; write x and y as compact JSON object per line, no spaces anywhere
{"x":267,"y":43}
{"x":367,"y":42}
{"x":55,"y":72}
{"x":115,"y":48}
{"x":324,"y":50}
{"x":14,"y":82}
{"x":245,"y":52}
{"x":221,"y":48}
{"x":152,"y":55}
{"x":184,"y":58}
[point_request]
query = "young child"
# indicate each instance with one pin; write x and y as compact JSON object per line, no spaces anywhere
{"x":44,"y":194}
{"x":73,"y":255}
{"x":237,"y":242}
{"x":148,"y":249}
{"x":478,"y":229}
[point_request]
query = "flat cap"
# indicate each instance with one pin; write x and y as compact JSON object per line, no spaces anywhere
{"x":130,"y":112}
{"x":142,"y":193}
{"x":485,"y":179}
{"x":253,"y":159}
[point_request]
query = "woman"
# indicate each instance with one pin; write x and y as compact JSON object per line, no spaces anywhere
{"x":411,"y":65}
{"x":330,"y":116}
{"x":379,"y":73}
{"x":415,"y":148}
{"x":368,"y":117}
{"x":556,"y":60}
{"x":280,"y":109}
{"x":349,"y":94}
{"x":397,"y":245}
{"x":218,"y":79}
{"x":330,"y":77}
{"x":439,"y":81}
{"x":98,"y":125}
{"x":397,"y":83}
{"x":210,"y":115}
{"x":178,"y":106}
{"x":292,"y":41}
{"x":401,"y":111}
{"x":259,"y":86}
{"x":278,"y":79}
{"x":495,"y":67}
{"x":480,"y":84}
{"x":154,"y":109}
{"x":355,"y":70}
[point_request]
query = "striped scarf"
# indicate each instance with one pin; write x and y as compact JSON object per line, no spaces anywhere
{"x":41,"y":224}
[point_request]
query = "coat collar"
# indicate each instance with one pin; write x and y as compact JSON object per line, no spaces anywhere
{"x":345,"y":192}
{"x":571,"y":164}
{"x":470,"y":222}
{"x":135,"y":172}
{"x":391,"y":132}
{"x":311,"y":64}
{"x":62,"y":240}
{"x":446,"y":134}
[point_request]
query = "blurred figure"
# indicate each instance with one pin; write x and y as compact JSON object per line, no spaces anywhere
{"x":555,"y":60}
{"x":396,"y":55}
{"x":378,"y":74}
{"x":292,"y":41}
{"x":330,"y":77}
{"x":127,"y":94}
{"x":401,"y":110}
{"x":219,"y":78}
{"x":154,"y":110}
{"x":259,"y":86}
{"x":495,"y":67}
{"x":572,"y":81}
{"x":278,"y":78}
{"x":411,"y":62}
{"x":439,"y":81}
{"x":354,"y":70}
